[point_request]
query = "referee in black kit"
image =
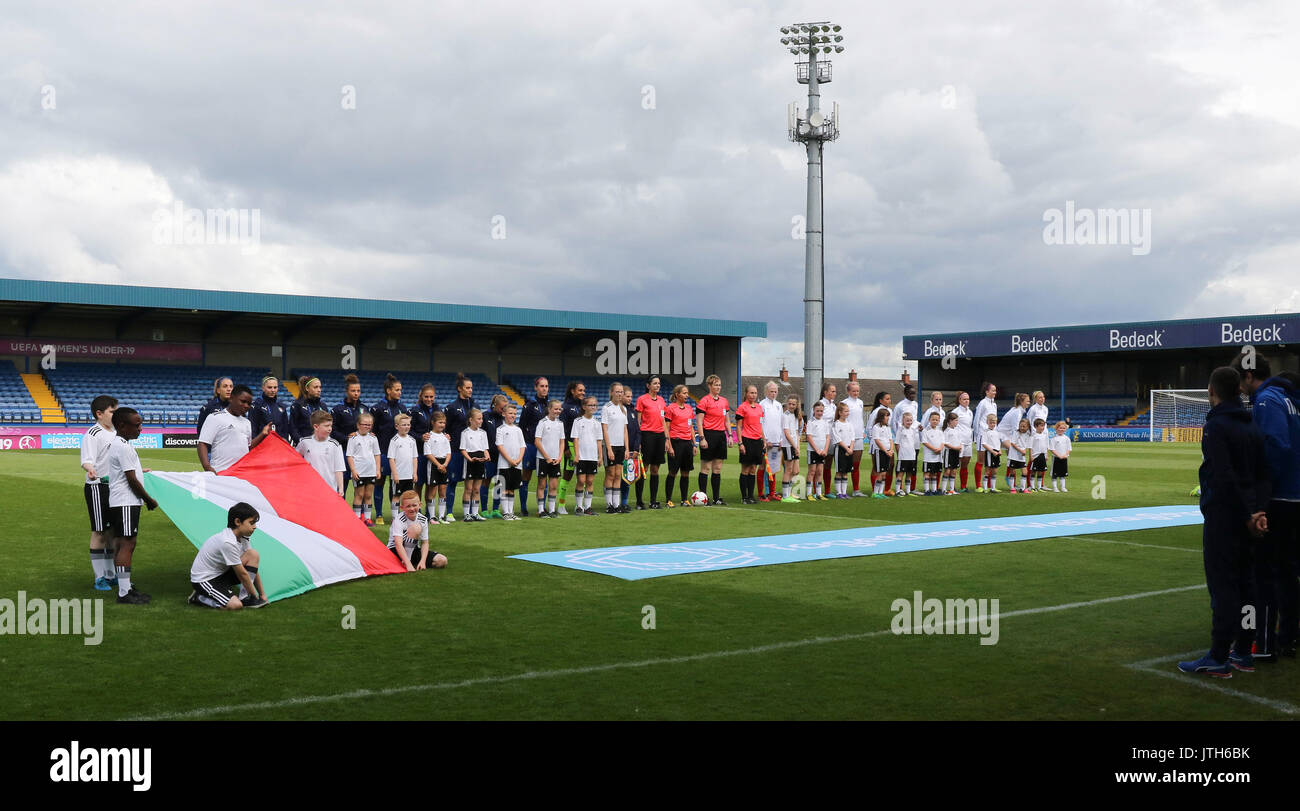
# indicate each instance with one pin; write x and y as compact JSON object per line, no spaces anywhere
{"x":1234,"y":494}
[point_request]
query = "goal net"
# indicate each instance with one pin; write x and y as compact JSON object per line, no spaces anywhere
{"x":1178,"y":415}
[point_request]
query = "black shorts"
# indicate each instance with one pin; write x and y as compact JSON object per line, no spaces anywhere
{"x":1015,"y":464}
{"x":415,"y":556}
{"x":97,"y":505}
{"x":683,"y":458}
{"x":546,"y":469}
{"x":511,"y":477}
{"x":1060,"y":467}
{"x":1040,"y":463}
{"x":815,"y":458}
{"x":933,"y":467}
{"x":751,"y":451}
{"x":433,"y":475}
{"x":363,"y":481}
{"x":717,"y":446}
{"x":587,"y":467}
{"x":652,"y":447}
{"x":879,"y":459}
{"x":992,"y":459}
{"x":789,"y":454}
{"x":475,"y":469}
{"x":907,"y":466}
{"x":843,"y":461}
{"x":402,"y":486}
{"x":219,"y":589}
{"x":619,"y":452}
{"x":125,"y":521}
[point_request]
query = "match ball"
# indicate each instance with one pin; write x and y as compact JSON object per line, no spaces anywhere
{"x":698,"y":499}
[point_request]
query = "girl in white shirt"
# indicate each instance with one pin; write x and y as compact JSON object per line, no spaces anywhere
{"x":952,"y":436}
{"x":818,"y":432}
{"x":843,"y":434}
{"x":789,"y":447}
{"x":1018,"y":449}
{"x":991,"y":450}
{"x":882,"y":453}
{"x":474,"y":447}
{"x":932,"y":441}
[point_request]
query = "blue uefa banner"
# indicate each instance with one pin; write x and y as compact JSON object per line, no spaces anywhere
{"x":1226,"y":332}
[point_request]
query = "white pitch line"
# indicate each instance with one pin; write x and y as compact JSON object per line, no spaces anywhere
{"x":1208,"y":682}
{"x":1129,"y":543}
{"x":581,"y":671}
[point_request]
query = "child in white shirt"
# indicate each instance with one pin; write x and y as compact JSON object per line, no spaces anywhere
{"x":790,"y":447}
{"x":586,"y":434}
{"x":932,"y":441}
{"x":550,"y":442}
{"x":1061,"y":447}
{"x":363,"y":463}
{"x":403,"y":455}
{"x":510,"y":452}
{"x":952,"y":436}
{"x":991,"y":449}
{"x":474,"y":447}
{"x":1018,"y":448}
{"x":819,"y":445}
{"x":909,"y":441}
{"x":882,"y":452}
{"x":1039,"y":446}
{"x":323,"y":452}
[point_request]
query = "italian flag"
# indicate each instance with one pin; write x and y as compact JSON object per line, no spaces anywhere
{"x":307,"y":536}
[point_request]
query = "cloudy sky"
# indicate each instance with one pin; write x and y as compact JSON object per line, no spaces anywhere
{"x":634,"y":157}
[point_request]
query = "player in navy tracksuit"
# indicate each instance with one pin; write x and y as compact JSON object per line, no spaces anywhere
{"x":345,"y":418}
{"x":534,"y":412}
{"x":457,"y":412}
{"x":421,"y":414}
{"x":308,"y":403}
{"x":384,"y":411}
{"x":1234,"y":495}
{"x":221,"y":389}
{"x":1275,"y":409}
{"x":492,"y":420}
{"x":270,"y":408}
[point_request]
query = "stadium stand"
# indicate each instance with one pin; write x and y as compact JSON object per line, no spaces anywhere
{"x":170,"y":395}
{"x":16,"y":403}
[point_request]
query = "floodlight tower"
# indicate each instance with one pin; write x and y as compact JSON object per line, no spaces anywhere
{"x":813,"y":128}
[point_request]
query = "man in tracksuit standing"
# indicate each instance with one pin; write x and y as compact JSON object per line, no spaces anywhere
{"x":457,"y":414}
{"x":1234,"y":494}
{"x":1275,"y":410}
{"x":534,"y":411}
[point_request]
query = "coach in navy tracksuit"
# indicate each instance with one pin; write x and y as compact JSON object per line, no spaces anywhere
{"x":383,"y":413}
{"x":345,"y":419}
{"x":1275,"y":409}
{"x":534,"y":412}
{"x":1234,"y":494}
{"x":268,"y":408}
{"x":457,"y":421}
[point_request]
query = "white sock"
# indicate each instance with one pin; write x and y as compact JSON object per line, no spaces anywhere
{"x":550,"y":504}
{"x":123,"y":580}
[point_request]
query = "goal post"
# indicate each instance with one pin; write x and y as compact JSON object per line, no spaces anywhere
{"x":1178,"y":415}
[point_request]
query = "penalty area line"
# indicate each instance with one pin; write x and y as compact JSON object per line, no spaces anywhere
{"x":351,"y":695}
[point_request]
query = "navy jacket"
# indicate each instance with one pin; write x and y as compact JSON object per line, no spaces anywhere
{"x":209,"y":408}
{"x":421,"y":422}
{"x":345,"y":420}
{"x":271,"y":410}
{"x":570,"y":411}
{"x":492,"y":421}
{"x":534,"y":412}
{"x":633,"y":430}
{"x":384,"y":412}
{"x":1234,"y":472}
{"x":300,"y":416}
{"x":458,"y":419}
{"x":1276,"y":411}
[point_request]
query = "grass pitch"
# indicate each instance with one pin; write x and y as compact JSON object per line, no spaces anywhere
{"x":493,"y":638}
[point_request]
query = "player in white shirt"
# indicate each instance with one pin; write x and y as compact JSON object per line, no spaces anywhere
{"x":227,"y":434}
{"x":819,"y":446}
{"x":474,"y":449}
{"x":991,"y":453}
{"x":908,"y":441}
{"x":125,"y":495}
{"x":952,"y":445}
{"x":364,"y":459}
{"x":1060,"y":446}
{"x":586,"y":435}
{"x":613,"y":427}
{"x":828,"y":417}
{"x":550,"y":447}
{"x":323,"y":452}
{"x":790,"y":431}
{"x":1018,"y":448}
{"x":936,"y":405}
{"x":932,"y":456}
{"x":410,"y":530}
{"x":987,"y":406}
{"x":1040,"y":445}
{"x":224,"y":573}
{"x":1010,"y":422}
{"x":510,"y":460}
{"x":437,"y":455}
{"x":842,"y":435}
{"x":882,"y":453}
{"x":965,"y":419}
{"x":857,"y":418}
{"x":403,"y":454}
{"x":883,"y":402}
{"x":1037,"y":411}
{"x":95,"y":446}
{"x":772,"y":413}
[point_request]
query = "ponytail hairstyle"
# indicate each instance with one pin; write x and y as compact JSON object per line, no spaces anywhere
{"x":390,"y":382}
{"x":880,"y":395}
{"x":679,"y":388}
{"x":303,"y":380}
